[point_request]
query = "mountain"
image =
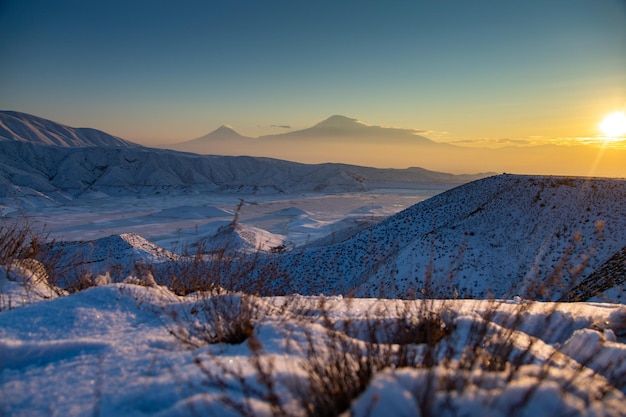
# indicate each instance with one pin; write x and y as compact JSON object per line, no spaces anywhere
{"x":220,"y":141}
{"x":22,"y":127}
{"x":506,"y":235}
{"x":35,"y":174}
{"x":341,"y":128}
{"x":342,"y":139}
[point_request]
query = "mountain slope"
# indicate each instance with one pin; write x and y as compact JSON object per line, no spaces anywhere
{"x":611,"y":275}
{"x":22,"y":127}
{"x":505,"y":235}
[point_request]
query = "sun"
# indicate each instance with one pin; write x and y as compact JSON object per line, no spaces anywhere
{"x":614,"y":124}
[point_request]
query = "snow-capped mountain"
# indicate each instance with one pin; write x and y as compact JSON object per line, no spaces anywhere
{"x":339,"y":128}
{"x":337,"y":135}
{"x":49,"y":173}
{"x":22,"y":127}
{"x":505,"y":235}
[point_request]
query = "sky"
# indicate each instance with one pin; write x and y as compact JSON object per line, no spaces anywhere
{"x":167,"y":71}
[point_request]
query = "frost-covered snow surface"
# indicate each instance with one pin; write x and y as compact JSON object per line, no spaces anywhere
{"x":121,"y":349}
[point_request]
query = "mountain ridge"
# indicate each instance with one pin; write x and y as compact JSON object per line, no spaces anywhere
{"x":23,"y":127}
{"x":51,"y":174}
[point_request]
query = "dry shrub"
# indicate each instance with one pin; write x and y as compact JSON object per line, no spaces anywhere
{"x":214,"y":318}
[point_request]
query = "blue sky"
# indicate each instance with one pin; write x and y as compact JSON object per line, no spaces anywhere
{"x":165,"y":71}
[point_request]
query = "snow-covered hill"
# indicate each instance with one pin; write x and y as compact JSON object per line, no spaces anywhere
{"x":505,"y":235}
{"x":45,"y":174}
{"x":22,"y":127}
{"x":116,"y":255}
{"x":233,"y":238}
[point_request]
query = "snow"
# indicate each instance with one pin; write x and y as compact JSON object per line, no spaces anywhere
{"x":192,"y":212}
{"x":109,"y":351}
{"x":23,"y":282}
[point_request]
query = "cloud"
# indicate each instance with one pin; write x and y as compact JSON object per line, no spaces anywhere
{"x":281,"y":126}
{"x":495,"y":142}
{"x":433,"y":134}
{"x":512,"y":141}
{"x":536,"y":141}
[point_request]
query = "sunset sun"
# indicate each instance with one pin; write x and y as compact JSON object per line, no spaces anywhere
{"x":614,"y":124}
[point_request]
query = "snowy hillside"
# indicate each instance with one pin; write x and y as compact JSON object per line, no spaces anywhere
{"x":22,"y":127}
{"x":505,"y":235}
{"x":43,"y":174}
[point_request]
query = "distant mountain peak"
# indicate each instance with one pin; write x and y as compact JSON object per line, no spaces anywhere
{"x":225,"y":128}
{"x":224,"y":132}
{"x":339,"y":121}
